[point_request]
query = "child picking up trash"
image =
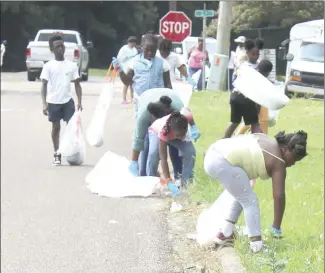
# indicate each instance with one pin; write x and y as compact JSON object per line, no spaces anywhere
{"x":172,"y":130}
{"x":235,"y":161}
{"x":143,"y":121}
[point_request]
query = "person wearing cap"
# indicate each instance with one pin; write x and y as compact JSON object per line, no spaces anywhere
{"x":241,"y":55}
{"x":127,"y":52}
{"x":3,"y":50}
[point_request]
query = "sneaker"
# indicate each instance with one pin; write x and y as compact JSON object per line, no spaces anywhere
{"x":125,"y":102}
{"x":57,"y":159}
{"x":256,"y":246}
{"x":221,"y":239}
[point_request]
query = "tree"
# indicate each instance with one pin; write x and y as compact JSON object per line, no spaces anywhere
{"x":264,"y":14}
{"x":275,"y":14}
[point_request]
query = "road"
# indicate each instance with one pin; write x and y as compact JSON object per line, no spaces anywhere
{"x":51,"y":223}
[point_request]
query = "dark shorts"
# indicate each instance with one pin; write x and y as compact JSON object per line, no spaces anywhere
{"x":61,"y":111}
{"x":248,"y":111}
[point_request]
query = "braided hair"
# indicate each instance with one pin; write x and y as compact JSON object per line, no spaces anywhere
{"x":161,"y":108}
{"x":257,"y":43}
{"x":296,"y":142}
{"x":177,"y":123}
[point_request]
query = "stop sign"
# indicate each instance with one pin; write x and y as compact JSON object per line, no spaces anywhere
{"x":175,"y":26}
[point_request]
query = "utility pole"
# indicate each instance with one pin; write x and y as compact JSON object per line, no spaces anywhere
{"x":223,"y":33}
{"x":172,"y":5}
{"x":204,"y":46}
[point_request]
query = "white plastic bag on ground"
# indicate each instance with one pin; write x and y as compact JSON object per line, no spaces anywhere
{"x":72,"y":145}
{"x":259,"y":89}
{"x":209,"y":221}
{"x":111,"y":178}
{"x":95,"y":131}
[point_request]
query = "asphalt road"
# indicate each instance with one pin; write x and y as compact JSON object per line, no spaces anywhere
{"x":50,"y":222}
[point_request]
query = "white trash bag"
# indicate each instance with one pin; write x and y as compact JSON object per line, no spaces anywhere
{"x":184,"y":90}
{"x":273,"y":115}
{"x":72,"y":145}
{"x":111,"y":178}
{"x":259,"y":89}
{"x":209,"y":221}
{"x":95,"y":131}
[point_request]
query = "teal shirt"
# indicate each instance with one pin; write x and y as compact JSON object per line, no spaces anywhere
{"x":144,"y":118}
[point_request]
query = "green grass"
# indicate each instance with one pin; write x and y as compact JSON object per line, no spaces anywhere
{"x":97,"y":72}
{"x":302,"y":248}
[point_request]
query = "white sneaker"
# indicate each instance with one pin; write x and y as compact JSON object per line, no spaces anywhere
{"x":256,"y":246}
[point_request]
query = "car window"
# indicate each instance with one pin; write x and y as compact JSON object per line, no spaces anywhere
{"x":69,"y":38}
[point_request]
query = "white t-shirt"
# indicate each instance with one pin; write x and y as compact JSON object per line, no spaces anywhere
{"x":174,"y":62}
{"x":3,"y":50}
{"x":126,"y":53}
{"x":59,"y":75}
{"x":231,"y":63}
{"x":166,"y":66}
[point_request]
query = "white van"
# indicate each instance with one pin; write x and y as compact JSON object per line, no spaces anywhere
{"x":305,"y":58}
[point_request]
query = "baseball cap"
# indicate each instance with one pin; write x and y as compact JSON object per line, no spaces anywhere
{"x":240,"y":39}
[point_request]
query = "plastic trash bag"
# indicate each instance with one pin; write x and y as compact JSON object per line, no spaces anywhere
{"x":72,"y":145}
{"x":273,"y":115}
{"x":209,"y":221}
{"x":111,"y":178}
{"x":259,"y":89}
{"x":95,"y":131}
{"x":184,"y":90}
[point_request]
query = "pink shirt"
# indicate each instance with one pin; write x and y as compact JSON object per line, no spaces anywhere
{"x":158,"y":125}
{"x":196,"y":57}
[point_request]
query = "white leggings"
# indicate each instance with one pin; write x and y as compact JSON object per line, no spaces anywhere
{"x":238,"y":194}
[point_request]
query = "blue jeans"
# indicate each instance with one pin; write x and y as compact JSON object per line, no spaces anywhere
{"x":186,"y":149}
{"x":174,"y":157}
{"x":144,"y":156}
{"x":193,"y":71}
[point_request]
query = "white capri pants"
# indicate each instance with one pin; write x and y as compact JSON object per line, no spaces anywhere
{"x":238,"y":190}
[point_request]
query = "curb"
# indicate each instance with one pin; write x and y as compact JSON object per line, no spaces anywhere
{"x":229,"y":261}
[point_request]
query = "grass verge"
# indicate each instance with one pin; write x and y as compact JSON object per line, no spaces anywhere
{"x":302,"y":248}
{"x":97,"y":72}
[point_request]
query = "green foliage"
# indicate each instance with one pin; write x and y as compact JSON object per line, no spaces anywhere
{"x":251,"y":14}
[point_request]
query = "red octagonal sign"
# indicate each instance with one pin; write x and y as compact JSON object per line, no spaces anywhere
{"x":175,"y":26}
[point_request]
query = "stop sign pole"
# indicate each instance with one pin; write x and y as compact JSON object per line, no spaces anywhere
{"x":175,"y":26}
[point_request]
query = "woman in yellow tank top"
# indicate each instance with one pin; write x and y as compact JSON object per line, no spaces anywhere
{"x":235,"y":161}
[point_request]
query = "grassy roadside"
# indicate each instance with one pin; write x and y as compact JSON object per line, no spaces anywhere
{"x":97,"y":72}
{"x":302,"y":248}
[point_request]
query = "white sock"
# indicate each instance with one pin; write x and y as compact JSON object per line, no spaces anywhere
{"x":256,"y":246}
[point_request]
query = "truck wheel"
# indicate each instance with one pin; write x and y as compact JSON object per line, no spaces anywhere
{"x":31,"y":77}
{"x":84,"y":77}
{"x":289,"y":94}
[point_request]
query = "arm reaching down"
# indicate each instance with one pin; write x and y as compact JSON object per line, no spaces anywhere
{"x":278,"y":184}
{"x":163,"y":158}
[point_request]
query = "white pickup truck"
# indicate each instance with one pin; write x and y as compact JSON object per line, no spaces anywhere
{"x":38,"y":52}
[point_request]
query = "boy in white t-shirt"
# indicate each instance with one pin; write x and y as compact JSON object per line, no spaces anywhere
{"x":165,"y":52}
{"x":126,"y":53}
{"x":58,"y":104}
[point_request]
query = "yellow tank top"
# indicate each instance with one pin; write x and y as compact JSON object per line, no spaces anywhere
{"x":243,"y":151}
